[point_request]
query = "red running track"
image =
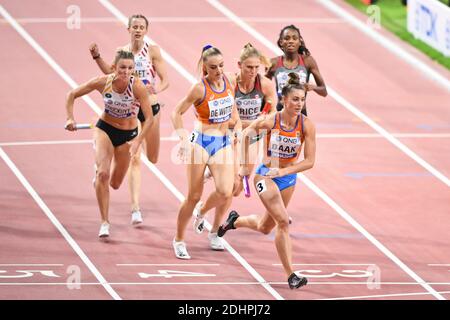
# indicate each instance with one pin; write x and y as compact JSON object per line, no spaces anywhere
{"x":393,"y":198}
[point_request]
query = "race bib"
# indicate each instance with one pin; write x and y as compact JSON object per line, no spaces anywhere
{"x":261,"y":186}
{"x":284,"y":147}
{"x":193,"y":136}
{"x":220,"y":109}
{"x":248,"y":109}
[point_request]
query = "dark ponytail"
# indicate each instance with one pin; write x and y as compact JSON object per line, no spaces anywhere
{"x":292,"y":83}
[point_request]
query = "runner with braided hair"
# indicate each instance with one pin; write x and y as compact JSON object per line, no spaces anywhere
{"x":296,"y":58}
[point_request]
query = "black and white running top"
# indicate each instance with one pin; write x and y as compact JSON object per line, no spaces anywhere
{"x":249,"y":105}
{"x":120,"y":105}
{"x":281,"y":73}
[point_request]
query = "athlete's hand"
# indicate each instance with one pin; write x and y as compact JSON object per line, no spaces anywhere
{"x":309,"y":86}
{"x":93,"y":48}
{"x":71,"y":125}
{"x":243,"y":171}
{"x":237,"y":137}
{"x":262,"y":117}
{"x":151,"y":89}
{"x":183,"y":151}
{"x":274,"y":173}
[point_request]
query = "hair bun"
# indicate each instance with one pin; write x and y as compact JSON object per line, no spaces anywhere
{"x":294,"y":79}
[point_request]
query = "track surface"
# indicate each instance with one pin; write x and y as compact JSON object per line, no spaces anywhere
{"x":396,"y":201}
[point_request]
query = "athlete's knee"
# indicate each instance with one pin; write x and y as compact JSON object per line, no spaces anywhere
{"x":135,"y":161}
{"x":283,"y":224}
{"x":237,"y":190}
{"x":153,"y":158}
{"x":264,"y":229}
{"x":225,"y":193}
{"x":194,"y":197}
{"x":103,"y":176}
{"x":115,"y":184}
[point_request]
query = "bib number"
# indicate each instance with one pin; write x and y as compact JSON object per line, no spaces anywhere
{"x":193,"y":137}
{"x":261,"y":186}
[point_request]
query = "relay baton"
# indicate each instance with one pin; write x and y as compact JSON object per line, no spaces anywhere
{"x":79,"y":126}
{"x":246,"y":186}
{"x":267,"y":107}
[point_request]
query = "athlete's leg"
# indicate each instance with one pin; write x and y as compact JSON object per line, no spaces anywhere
{"x":195,"y":170}
{"x":253,"y":154}
{"x":152,"y":139}
{"x":104,"y":152}
{"x":264,"y":223}
{"x":120,"y":164}
{"x":134,"y":179}
{"x":222,"y":169}
{"x":273,"y":201}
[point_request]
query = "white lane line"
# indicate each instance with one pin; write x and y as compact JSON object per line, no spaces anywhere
{"x":168,"y":264}
{"x":233,"y":17}
{"x":166,"y":181}
{"x":131,"y":283}
{"x":216,"y":4}
{"x":369,"y":236}
{"x":46,"y":57}
{"x":176,"y":139}
{"x":25,"y":183}
{"x":152,"y":167}
{"x":377,"y":135}
{"x":167,"y":57}
{"x":37,"y":20}
{"x":57,"y":224}
{"x":390,"y":137}
{"x":317,"y":283}
{"x":385,"y":295}
{"x":386,"y":43}
{"x":48,"y":142}
{"x":31,"y":265}
{"x":328,"y":264}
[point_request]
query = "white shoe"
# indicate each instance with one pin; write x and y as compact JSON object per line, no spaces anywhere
{"x":136,"y":218}
{"x":207,"y":175}
{"x":199,"y":220}
{"x":215,"y":241}
{"x":180,"y":250}
{"x":104,"y":230}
